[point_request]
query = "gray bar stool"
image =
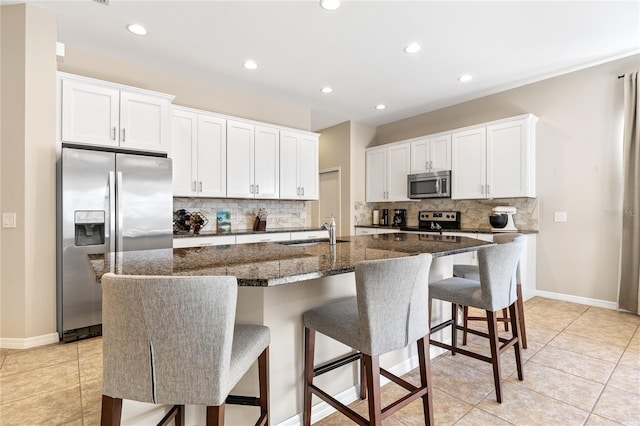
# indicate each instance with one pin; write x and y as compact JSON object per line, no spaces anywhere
{"x":389,"y":312}
{"x":472,"y":272}
{"x":172,"y":340}
{"x":495,"y":290}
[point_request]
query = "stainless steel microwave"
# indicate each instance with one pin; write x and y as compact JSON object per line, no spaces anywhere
{"x":429,"y":185}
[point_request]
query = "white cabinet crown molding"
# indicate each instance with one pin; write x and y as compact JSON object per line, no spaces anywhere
{"x":96,"y":82}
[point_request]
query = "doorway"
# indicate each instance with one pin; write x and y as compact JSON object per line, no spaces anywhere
{"x":329,"y":202}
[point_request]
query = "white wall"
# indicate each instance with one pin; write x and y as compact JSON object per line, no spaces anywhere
{"x":579,"y":148}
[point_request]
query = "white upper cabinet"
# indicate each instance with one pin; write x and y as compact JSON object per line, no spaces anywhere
{"x":99,"y":113}
{"x":387,"y":168}
{"x":432,"y":153}
{"x":469,"y":164}
{"x":253,"y":161}
{"x":299,"y":179}
{"x":198,"y":150}
{"x":496,"y":160}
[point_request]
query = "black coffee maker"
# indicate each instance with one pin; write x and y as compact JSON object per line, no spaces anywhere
{"x":400,"y":217}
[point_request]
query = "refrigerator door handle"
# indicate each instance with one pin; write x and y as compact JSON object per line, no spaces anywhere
{"x":119,"y":246}
{"x":112,"y":209}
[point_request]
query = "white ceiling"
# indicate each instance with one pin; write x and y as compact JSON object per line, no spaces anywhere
{"x":357,"y":49}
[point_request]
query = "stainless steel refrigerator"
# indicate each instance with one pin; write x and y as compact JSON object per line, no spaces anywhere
{"x":108,"y":202}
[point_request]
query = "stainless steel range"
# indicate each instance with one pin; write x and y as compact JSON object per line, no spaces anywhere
{"x":436,"y":221}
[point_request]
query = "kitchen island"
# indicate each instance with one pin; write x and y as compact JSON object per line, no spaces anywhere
{"x":277,"y":283}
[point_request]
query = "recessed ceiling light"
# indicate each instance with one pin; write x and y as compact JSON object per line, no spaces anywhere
{"x":250,"y":64}
{"x":465,"y":77}
{"x":330,"y":4}
{"x":137,"y":29}
{"x":381,"y":106}
{"x":412,"y":48}
{"x":326,"y":89}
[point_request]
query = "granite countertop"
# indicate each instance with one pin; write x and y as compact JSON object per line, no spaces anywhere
{"x":478,"y":230}
{"x":183,"y":234}
{"x":270,"y":264}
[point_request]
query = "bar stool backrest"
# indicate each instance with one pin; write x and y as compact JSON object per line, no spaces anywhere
{"x":392,"y":297}
{"x":498,"y":265}
{"x":508,"y":238}
{"x":167,"y":340}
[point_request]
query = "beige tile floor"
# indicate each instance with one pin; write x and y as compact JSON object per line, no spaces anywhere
{"x":582,"y":367}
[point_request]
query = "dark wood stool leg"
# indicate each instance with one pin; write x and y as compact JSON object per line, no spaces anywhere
{"x":523,"y":330}
{"x":180,"y":416}
{"x":425,"y":379}
{"x":363,"y":379}
{"x":505,"y":319}
{"x":215,"y":415}
{"x":263,"y":378}
{"x":373,"y":384}
{"x":309,"y":347}
{"x":494,"y":344}
{"x":111,"y":411}
{"x":454,"y":328}
{"x":465,"y":323}
{"x":513,"y":309}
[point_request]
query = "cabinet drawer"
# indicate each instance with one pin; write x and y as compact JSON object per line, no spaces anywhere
{"x":204,"y":241}
{"x":263,"y":238}
{"x":310,"y":235}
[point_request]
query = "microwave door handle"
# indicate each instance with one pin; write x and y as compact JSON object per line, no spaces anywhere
{"x":437,"y":186}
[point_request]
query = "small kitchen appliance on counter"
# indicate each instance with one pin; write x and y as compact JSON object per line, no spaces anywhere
{"x":502,"y":219}
{"x":399,"y":217}
{"x":436,"y":221}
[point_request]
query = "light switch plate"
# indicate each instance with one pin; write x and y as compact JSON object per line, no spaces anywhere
{"x":8,"y":220}
{"x":560,"y":216}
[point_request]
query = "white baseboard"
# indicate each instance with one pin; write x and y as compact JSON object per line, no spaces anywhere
{"x":29,"y":342}
{"x":322,"y":409}
{"x":578,"y":299}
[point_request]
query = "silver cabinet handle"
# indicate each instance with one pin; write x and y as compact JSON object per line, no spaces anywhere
{"x":302,"y":191}
{"x":488,"y":189}
{"x":257,"y":189}
{"x":113,"y":133}
{"x":123,"y":135}
{"x":430,"y":164}
{"x":193,"y":186}
{"x":426,"y":165}
{"x":298,"y":191}
{"x":200,"y":186}
{"x":251,"y":188}
{"x":482,"y":189}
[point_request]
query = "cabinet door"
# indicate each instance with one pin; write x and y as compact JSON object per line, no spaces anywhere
{"x":144,"y":122}
{"x":289,"y":187}
{"x":240,"y":156}
{"x":420,"y":155}
{"x":184,"y":152}
{"x":267,"y":162}
{"x":398,"y":167}
{"x":212,"y":156}
{"x":440,"y":153}
{"x":376,"y":176}
{"x":507,"y":173}
{"x":308,"y":167}
{"x":468,"y":166}
{"x":90,"y":114}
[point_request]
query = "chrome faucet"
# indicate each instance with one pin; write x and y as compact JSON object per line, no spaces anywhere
{"x":331,"y":227}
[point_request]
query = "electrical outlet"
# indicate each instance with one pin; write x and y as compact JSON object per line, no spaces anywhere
{"x":560,"y":216}
{"x":8,"y":220}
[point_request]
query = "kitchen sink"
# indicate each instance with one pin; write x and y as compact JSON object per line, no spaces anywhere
{"x":306,"y":243}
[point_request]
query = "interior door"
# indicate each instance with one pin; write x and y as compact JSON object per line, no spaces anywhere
{"x":330,"y":195}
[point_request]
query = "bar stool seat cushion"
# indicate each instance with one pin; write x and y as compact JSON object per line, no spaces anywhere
{"x":461,"y":291}
{"x":338,"y":320}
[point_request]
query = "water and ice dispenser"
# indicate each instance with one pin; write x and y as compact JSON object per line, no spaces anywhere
{"x":89,"y":227}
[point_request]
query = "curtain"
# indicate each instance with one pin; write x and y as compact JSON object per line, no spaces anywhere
{"x":629,"y":288}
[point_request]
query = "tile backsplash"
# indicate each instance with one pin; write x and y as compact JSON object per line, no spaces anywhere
{"x":281,"y":213}
{"x":475,"y":213}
